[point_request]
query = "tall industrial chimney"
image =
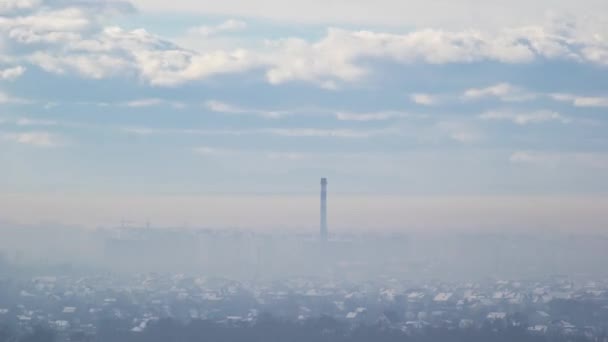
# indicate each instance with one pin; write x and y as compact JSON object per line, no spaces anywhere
{"x":324,"y":209}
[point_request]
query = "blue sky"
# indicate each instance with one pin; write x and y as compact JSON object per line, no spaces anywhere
{"x":395,"y":98}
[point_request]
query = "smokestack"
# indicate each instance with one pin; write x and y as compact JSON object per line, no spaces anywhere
{"x":324,"y":209}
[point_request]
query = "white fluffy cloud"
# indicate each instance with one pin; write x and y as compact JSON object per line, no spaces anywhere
{"x":336,"y":57}
{"x":423,"y":99}
{"x":174,"y":67}
{"x":11,"y":74}
{"x":89,"y":65}
{"x":75,"y":39}
{"x":321,"y":63}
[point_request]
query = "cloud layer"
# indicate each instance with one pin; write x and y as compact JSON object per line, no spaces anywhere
{"x":73,"y":38}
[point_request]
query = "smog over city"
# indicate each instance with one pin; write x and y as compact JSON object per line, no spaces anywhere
{"x":348,"y":171}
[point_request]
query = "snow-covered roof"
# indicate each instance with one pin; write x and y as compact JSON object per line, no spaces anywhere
{"x":351,"y":315}
{"x":497,"y":315}
{"x":538,"y":328}
{"x":415,"y":295}
{"x":442,"y":297}
{"x":354,"y":314}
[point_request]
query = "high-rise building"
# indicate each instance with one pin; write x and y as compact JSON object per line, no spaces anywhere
{"x":324,"y":232}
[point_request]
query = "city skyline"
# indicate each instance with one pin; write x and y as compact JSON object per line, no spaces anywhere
{"x":303,"y":170}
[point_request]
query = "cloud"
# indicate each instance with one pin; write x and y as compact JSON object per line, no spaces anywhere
{"x":596,"y":54}
{"x":524,"y":118}
{"x":162,"y":64}
{"x":423,"y":99}
{"x":285,"y":132}
{"x":503,"y":91}
{"x":325,"y":133}
{"x":41,"y":122}
{"x":44,"y":21}
{"x":212,"y":151}
{"x":581,"y":101}
{"x":231,"y":25}
{"x":221,"y":107}
{"x":507,"y":92}
{"x":12,"y":74}
{"x":153,"y":102}
{"x":71,"y":37}
{"x":74,"y":40}
{"x":7,"y":6}
{"x":557,"y":159}
{"x":6,"y":99}
{"x":295,"y":59}
{"x":35,"y":122}
{"x":335,"y":57}
{"x":374,"y":116}
{"x":175,"y":67}
{"x":35,"y":139}
{"x":89,"y":65}
{"x":148,"y":131}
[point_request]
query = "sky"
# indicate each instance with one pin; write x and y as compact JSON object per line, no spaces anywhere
{"x":438,"y":103}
